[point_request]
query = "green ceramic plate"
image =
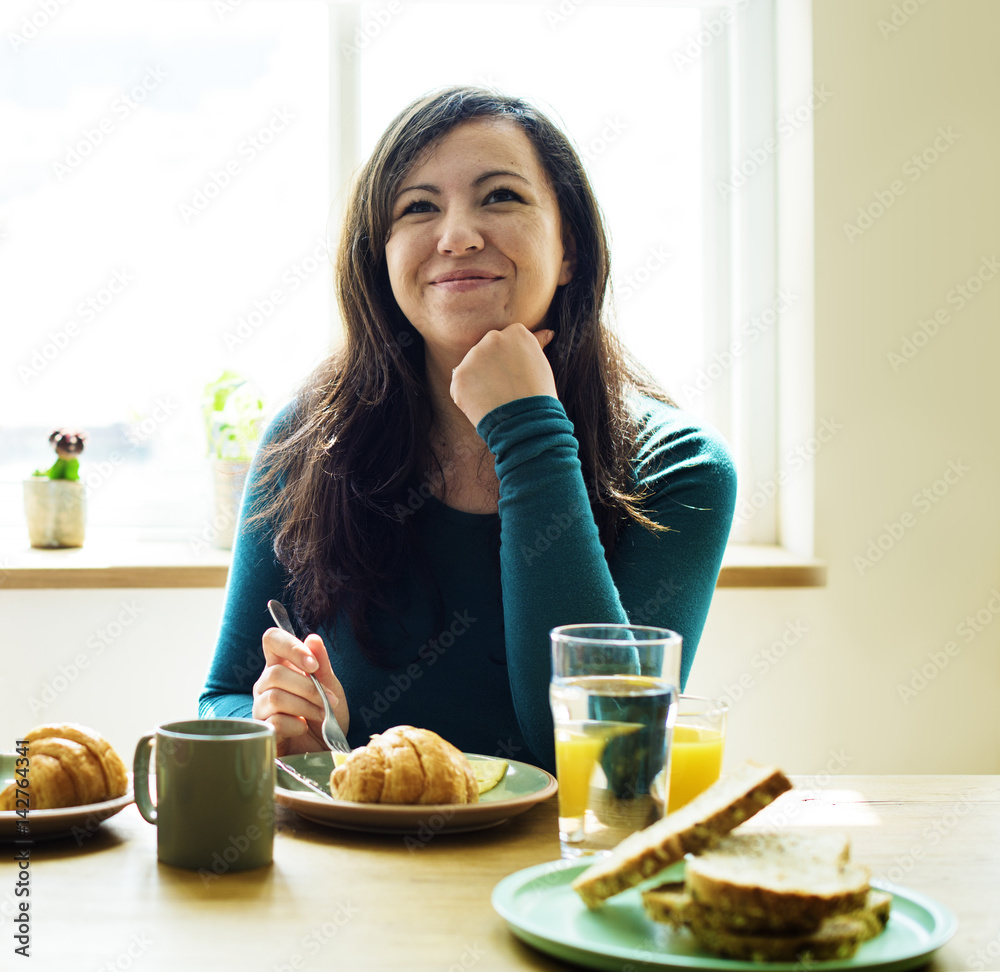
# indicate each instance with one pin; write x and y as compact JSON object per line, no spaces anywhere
{"x":520,"y":790}
{"x":78,"y":822}
{"x":543,"y":910}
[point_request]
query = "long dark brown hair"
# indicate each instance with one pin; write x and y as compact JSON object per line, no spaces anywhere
{"x":334,"y":487}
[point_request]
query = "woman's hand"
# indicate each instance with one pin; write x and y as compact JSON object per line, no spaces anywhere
{"x":285,"y":698}
{"x":504,"y":366}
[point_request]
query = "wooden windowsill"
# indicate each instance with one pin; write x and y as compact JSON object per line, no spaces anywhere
{"x":757,"y":565}
{"x":111,"y":559}
{"x":118,"y":560}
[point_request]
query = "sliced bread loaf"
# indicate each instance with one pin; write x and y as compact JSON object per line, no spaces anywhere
{"x":780,"y":882}
{"x":694,"y":827}
{"x":670,"y":904}
{"x":773,"y":938}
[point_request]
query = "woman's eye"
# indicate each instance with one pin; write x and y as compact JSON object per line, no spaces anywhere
{"x":420,"y":206}
{"x":503,"y":195}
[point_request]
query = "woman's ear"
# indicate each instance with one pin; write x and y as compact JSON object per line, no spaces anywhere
{"x":569,"y":258}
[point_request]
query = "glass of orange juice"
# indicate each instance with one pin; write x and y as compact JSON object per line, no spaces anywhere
{"x":696,"y":749}
{"x":613,"y":694}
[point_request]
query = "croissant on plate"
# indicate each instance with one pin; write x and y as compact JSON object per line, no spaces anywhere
{"x":69,"y":765}
{"x":406,"y":765}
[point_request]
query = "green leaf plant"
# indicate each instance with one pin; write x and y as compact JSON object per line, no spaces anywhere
{"x":234,"y":416}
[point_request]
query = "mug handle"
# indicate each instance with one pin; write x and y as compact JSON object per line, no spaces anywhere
{"x":140,"y":778}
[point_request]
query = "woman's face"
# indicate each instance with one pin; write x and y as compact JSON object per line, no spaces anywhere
{"x":476,"y":242}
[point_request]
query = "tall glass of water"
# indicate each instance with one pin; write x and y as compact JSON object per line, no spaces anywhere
{"x":613,"y":695}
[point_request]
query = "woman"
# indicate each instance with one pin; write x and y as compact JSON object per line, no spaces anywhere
{"x":479,"y":463}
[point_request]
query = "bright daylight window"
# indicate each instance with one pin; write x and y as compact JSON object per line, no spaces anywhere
{"x":170,"y":168}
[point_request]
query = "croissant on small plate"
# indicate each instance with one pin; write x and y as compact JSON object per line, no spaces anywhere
{"x":69,"y":765}
{"x":404,"y":765}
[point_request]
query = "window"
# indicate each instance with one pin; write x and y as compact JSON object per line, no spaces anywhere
{"x":180,"y":166}
{"x":165,"y":218}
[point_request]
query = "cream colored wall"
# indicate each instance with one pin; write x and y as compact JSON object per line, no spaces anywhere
{"x":120,"y":661}
{"x":908,"y":425}
{"x":827,"y":697}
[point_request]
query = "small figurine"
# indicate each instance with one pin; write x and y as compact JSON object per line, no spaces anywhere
{"x":68,"y":446}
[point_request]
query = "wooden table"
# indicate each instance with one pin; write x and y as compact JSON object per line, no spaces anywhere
{"x":348,"y":901}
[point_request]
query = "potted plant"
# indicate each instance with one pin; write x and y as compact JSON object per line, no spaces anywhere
{"x":234,"y":419}
{"x":55,"y":498}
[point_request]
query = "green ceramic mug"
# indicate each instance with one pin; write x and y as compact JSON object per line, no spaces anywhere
{"x":214,"y":806}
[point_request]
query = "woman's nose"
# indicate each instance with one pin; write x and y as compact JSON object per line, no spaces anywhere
{"x":460,"y":232}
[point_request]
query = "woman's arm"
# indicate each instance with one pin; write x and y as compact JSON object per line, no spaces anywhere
{"x":259,"y":671}
{"x":553,"y":566}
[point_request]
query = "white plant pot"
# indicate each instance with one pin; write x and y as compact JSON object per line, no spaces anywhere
{"x":56,"y":510}
{"x":229,"y":478}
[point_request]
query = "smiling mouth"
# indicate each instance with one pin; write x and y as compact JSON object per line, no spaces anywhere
{"x":465,"y":284}
{"x":462,"y":277}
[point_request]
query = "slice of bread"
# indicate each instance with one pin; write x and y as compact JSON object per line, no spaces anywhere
{"x":835,"y":937}
{"x":670,"y":904}
{"x":692,"y":828}
{"x":875,"y":913}
{"x":777,"y":882}
{"x":785,"y":846}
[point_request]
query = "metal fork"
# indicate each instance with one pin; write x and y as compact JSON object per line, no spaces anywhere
{"x":332,"y":734}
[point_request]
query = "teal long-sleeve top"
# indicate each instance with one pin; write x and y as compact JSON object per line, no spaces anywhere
{"x":478,"y":674}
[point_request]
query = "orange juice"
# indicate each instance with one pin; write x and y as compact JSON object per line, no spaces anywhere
{"x":579,"y":745}
{"x":695,"y":763}
{"x":577,"y":753}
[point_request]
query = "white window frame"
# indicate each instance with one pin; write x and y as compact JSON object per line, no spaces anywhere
{"x":795,"y":223}
{"x":764,"y":403}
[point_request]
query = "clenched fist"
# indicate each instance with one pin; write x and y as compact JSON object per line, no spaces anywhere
{"x":502,"y":367}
